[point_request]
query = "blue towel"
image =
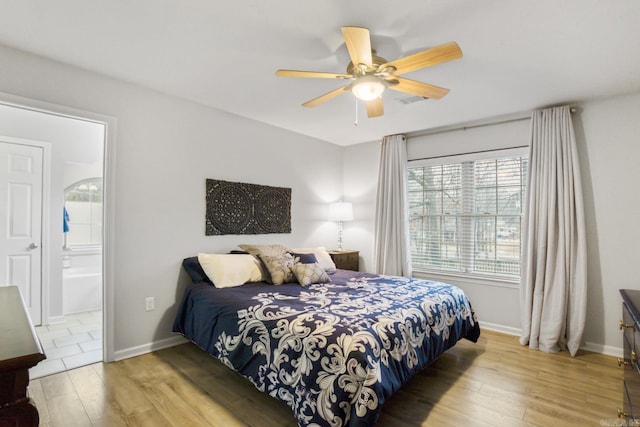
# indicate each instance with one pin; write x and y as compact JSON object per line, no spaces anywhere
{"x":65,"y":220}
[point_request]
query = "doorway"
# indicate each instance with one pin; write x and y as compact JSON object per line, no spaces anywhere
{"x":71,"y":327}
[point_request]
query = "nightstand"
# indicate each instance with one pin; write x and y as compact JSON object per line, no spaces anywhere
{"x":346,"y":260}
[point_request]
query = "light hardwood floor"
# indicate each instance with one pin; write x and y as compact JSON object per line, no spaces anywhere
{"x":495,"y":382}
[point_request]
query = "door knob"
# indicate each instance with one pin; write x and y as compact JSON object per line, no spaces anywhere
{"x":33,"y":246}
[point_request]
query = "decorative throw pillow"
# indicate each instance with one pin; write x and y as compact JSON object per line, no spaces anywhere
{"x":324,"y":259}
{"x":269,"y":250}
{"x":195,"y":271}
{"x":279,"y":267}
{"x":307,"y":274}
{"x":228,"y":270}
{"x":304,"y":258}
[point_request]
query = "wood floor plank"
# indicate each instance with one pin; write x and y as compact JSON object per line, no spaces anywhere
{"x":192,"y":364}
{"x":67,"y":410}
{"x":126,"y":393}
{"x":57,"y":385}
{"x":495,"y":382}
{"x":97,"y":401}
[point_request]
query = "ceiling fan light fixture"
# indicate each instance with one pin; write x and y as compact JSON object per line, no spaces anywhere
{"x":368,"y":87}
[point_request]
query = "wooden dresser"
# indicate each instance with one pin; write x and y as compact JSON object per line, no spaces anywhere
{"x":630,"y":325}
{"x":346,"y":260}
{"x":19,"y":351}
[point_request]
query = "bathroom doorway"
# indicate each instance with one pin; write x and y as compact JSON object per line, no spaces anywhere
{"x":72,"y":292}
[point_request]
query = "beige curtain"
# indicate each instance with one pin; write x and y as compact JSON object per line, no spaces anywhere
{"x":554,"y":284}
{"x":391,"y":240}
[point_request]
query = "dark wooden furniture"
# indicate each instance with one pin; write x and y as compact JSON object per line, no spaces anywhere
{"x":20,"y":350}
{"x":630,"y":325}
{"x":346,"y":260}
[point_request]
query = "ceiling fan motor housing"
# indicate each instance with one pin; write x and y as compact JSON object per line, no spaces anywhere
{"x":376,"y":62}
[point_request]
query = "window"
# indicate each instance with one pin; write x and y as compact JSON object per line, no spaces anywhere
{"x":83,"y":202}
{"x":465,"y":214}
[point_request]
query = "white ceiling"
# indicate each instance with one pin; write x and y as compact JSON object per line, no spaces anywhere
{"x":518,"y":55}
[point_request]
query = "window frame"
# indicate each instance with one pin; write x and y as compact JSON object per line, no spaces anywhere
{"x":470,"y":276}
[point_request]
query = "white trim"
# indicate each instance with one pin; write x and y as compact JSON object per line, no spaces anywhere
{"x":45,"y":261}
{"x":500,"y":328}
{"x":54,"y":320}
{"x":588,"y":346}
{"x":149,"y":347}
{"x":109,"y":239}
{"x":603,"y":349}
{"x":474,"y":279}
{"x":109,"y":173}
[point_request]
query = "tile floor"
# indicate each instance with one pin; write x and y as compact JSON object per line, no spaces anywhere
{"x":73,"y":343}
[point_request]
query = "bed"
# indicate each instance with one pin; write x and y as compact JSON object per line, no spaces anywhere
{"x":334,"y":352}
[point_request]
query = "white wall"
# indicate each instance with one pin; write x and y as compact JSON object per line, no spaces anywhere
{"x":607,"y":133}
{"x":76,"y":172}
{"x":166,"y":148}
{"x":361,"y":164}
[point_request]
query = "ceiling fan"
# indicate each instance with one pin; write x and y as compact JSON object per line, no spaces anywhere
{"x":371,"y":74}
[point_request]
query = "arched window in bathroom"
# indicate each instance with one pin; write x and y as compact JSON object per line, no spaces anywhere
{"x":83,"y":206}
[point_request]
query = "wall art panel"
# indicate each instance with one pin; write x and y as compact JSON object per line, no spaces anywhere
{"x":240,"y":208}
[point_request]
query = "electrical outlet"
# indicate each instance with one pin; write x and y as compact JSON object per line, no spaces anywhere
{"x":150,"y":303}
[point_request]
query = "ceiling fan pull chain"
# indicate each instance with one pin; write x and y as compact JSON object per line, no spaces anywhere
{"x":356,"y":122}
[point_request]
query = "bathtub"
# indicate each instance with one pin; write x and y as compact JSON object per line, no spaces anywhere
{"x":82,"y":281}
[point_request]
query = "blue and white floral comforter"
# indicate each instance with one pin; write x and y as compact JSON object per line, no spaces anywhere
{"x":333,"y":352}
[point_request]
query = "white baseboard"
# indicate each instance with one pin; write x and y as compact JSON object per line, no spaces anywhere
{"x":54,"y":320}
{"x":588,"y":346}
{"x":178,"y":339}
{"x":500,"y":328}
{"x":149,"y":347}
{"x":604,"y":349}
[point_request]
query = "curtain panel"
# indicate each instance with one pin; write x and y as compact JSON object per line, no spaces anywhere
{"x":391,"y":239}
{"x":554,"y":282}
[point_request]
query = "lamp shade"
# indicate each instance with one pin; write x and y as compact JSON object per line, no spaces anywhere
{"x":340,"y":211}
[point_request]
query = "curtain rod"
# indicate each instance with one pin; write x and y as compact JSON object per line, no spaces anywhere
{"x":467,"y":153}
{"x":435,"y":131}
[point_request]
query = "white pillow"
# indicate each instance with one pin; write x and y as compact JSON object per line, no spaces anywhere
{"x":323,"y":257}
{"x":228,"y":270}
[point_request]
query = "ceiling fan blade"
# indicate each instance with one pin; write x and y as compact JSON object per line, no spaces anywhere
{"x":435,"y":55}
{"x":375,"y":108}
{"x":315,"y":74}
{"x":327,"y":96}
{"x":417,"y":88}
{"x":358,"y":44}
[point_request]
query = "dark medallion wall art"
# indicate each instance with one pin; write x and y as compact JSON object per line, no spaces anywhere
{"x":239,"y":208}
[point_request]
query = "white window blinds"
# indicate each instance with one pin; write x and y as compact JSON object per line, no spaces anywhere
{"x":465,"y":213}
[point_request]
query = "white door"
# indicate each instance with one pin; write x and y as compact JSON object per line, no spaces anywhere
{"x":21,"y":222}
